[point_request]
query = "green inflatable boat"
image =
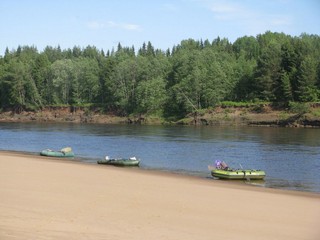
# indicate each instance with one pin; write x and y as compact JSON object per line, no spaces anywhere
{"x":64,"y":152}
{"x":238,"y":174}
{"x":222,"y":171}
{"x":120,"y":162}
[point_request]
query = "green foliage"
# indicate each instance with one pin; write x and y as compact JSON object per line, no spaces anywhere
{"x":226,"y":104}
{"x":150,"y":95}
{"x":192,"y":76}
{"x":298,"y":107}
{"x":316,"y":112}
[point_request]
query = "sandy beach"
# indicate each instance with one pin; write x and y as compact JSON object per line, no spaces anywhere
{"x":45,"y":198}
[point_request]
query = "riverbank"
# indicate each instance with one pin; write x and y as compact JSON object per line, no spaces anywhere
{"x":46,"y":198}
{"x":263,"y":115}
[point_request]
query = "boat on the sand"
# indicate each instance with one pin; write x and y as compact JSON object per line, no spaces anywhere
{"x":64,"y":152}
{"x":222,"y":171}
{"x":121,"y":162}
{"x":238,"y":174}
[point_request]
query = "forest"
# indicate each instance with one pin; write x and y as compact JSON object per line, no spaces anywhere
{"x":191,"y":76}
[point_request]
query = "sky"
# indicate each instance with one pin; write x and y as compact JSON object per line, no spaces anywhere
{"x":165,"y":23}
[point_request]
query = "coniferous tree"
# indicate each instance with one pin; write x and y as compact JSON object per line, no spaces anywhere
{"x":307,"y":81}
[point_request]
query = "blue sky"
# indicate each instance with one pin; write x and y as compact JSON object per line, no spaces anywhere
{"x":105,"y":23}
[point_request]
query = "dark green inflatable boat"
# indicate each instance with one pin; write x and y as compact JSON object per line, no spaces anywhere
{"x":120,"y":162}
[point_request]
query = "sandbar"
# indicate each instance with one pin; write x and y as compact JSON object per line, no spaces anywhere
{"x":48,"y":198}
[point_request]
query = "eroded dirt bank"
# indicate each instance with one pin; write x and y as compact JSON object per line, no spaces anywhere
{"x":265,"y":116}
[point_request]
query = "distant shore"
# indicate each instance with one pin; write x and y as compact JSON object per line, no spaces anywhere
{"x":264,"y":116}
{"x":48,"y":198}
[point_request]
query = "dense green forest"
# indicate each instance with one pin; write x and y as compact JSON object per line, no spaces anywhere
{"x":193,"y":75}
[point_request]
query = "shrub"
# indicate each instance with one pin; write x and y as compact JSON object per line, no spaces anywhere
{"x":298,"y":107}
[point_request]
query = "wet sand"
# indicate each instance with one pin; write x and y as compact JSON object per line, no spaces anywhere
{"x":46,"y":198}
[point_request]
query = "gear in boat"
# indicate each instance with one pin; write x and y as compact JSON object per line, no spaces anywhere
{"x":124,"y":162}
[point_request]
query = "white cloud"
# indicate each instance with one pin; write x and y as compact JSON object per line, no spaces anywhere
{"x":280,"y":21}
{"x":96,"y":25}
{"x":235,"y":18}
{"x":243,"y":14}
{"x":111,"y":24}
{"x":132,"y":27}
{"x":223,"y":8}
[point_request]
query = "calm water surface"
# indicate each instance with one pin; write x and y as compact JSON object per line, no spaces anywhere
{"x":290,"y":157}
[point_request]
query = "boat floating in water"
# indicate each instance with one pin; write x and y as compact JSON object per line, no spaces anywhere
{"x":64,"y":152}
{"x":222,"y":171}
{"x":121,"y":162}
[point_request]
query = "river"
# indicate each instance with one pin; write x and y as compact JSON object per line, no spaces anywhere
{"x":290,"y":156}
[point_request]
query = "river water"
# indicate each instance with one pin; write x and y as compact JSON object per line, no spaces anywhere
{"x":290,"y":156}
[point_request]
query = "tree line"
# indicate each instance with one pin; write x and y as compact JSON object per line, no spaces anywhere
{"x":190,"y":76}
